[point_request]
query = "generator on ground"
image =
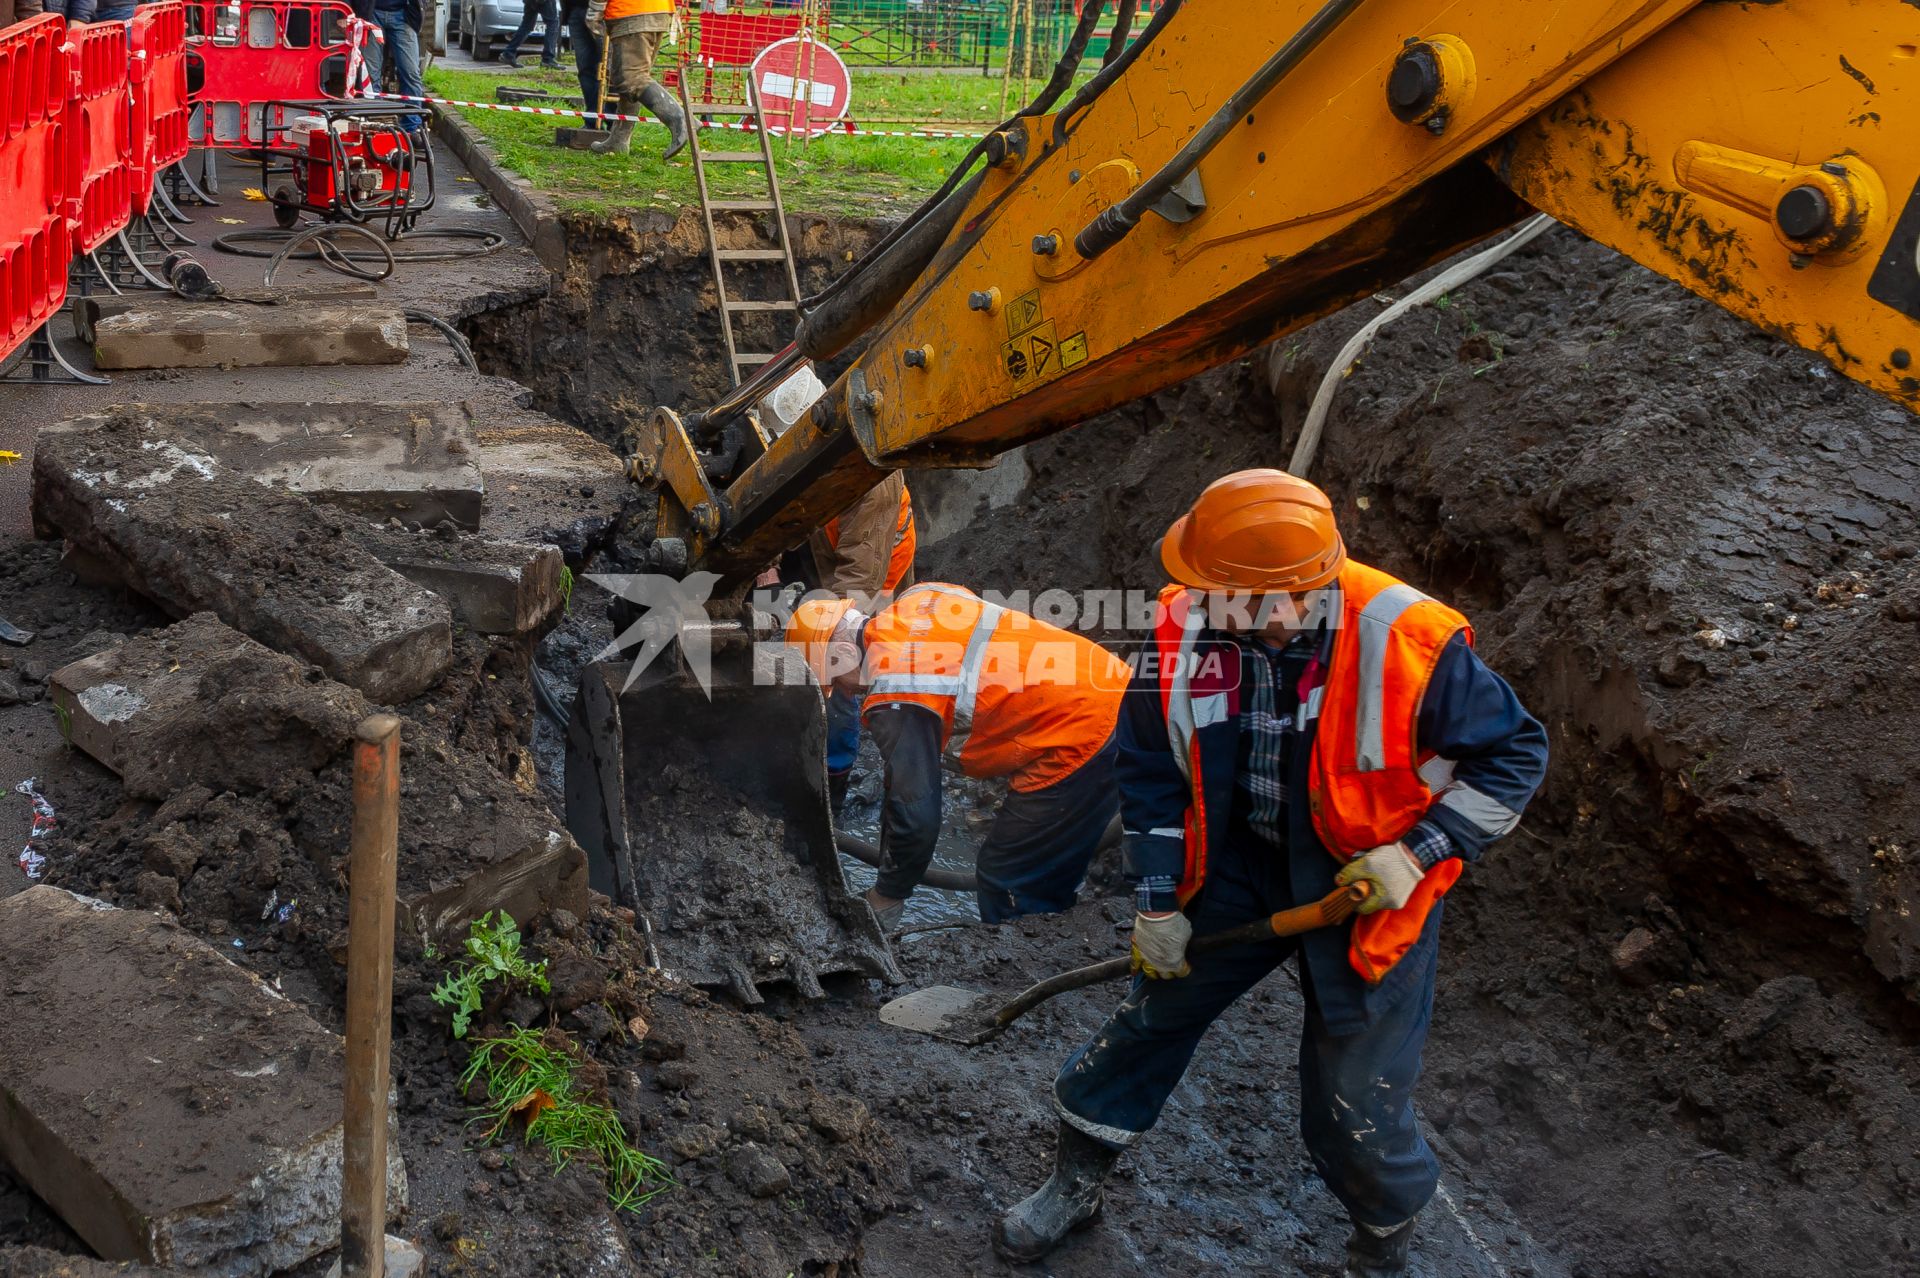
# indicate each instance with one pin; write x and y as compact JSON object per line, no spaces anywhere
{"x":348,"y":162}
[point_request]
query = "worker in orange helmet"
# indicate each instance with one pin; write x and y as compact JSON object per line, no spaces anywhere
{"x":1001,"y":694}
{"x":1304,"y":721}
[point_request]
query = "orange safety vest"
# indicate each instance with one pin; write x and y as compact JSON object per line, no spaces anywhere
{"x":1366,"y":783}
{"x":618,"y":9}
{"x":1016,"y":696}
{"x":904,"y":542}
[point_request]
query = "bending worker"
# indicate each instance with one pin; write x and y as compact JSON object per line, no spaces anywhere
{"x":630,"y":32}
{"x":1004,"y":695}
{"x":864,"y":554}
{"x":1307,"y":721}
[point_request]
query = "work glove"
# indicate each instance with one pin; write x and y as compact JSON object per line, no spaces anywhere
{"x":597,"y":19}
{"x":1160,"y":945}
{"x":1390,"y":871}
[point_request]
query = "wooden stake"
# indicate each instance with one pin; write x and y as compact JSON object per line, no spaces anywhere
{"x":370,"y":905}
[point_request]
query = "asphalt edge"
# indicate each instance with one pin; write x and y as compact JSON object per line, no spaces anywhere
{"x":530,"y":208}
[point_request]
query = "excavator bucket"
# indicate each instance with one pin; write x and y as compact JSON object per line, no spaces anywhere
{"x":708,"y":816}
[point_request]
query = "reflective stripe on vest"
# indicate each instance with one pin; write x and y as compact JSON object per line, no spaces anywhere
{"x":964,"y":687}
{"x":1376,"y":629}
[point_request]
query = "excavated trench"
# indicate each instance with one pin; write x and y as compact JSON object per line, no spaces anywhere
{"x":1676,"y":1029}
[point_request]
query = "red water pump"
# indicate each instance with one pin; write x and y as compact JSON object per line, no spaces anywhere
{"x":349,"y":162}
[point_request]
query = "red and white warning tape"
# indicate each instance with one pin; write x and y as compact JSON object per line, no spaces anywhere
{"x":837,"y":130}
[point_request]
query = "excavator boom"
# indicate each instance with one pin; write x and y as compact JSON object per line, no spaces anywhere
{"x":1251,"y":167}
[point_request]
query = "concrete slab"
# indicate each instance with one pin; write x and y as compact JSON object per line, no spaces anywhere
{"x":170,"y":1106}
{"x":548,"y":482}
{"x":409,"y":461}
{"x":215,"y":335}
{"x":198,"y":703}
{"x":493,"y":587}
{"x":89,"y":311}
{"x":190,"y":534}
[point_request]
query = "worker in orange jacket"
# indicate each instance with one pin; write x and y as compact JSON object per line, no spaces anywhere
{"x":1300,"y":721}
{"x":630,"y":31}
{"x":1000,"y":694}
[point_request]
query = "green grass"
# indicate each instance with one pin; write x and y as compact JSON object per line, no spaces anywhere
{"x":848,"y":176}
{"x":533,"y":1075}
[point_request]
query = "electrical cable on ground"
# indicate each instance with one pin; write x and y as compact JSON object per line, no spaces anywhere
{"x":1451,"y":278}
{"x":315,"y":243}
{"x":454,"y":339}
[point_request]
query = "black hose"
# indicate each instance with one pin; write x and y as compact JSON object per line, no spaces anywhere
{"x":1063,"y":72}
{"x":448,"y":331}
{"x":272,"y":242}
{"x":1116,"y":222}
{"x":1092,"y":89}
{"x":1122,"y":24}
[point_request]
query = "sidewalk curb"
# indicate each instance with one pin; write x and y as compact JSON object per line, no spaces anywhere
{"x":530,"y":208}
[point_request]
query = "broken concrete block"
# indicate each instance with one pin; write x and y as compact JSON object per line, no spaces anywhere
{"x":210,"y":335}
{"x":493,"y":587}
{"x":173,"y":1108}
{"x":200,"y":704}
{"x":200,"y":700}
{"x":193,"y":536}
{"x":547,"y":482}
{"x":89,"y":311}
{"x":408,"y":461}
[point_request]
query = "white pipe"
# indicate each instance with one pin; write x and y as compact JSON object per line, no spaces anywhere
{"x":1451,"y":278}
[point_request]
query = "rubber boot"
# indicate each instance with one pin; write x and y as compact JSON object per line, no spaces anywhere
{"x":1069,"y":1200}
{"x":619,"y":139}
{"x":1371,"y":1254}
{"x":668,"y":112}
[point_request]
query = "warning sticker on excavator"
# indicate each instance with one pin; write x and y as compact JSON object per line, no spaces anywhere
{"x":1023,"y":312}
{"x":1032,"y":355}
{"x":1073,"y":351}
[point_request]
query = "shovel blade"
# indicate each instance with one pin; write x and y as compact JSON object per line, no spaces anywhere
{"x":944,"y":1011}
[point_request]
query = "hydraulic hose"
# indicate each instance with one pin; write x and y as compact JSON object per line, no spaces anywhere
{"x":1122,"y":24}
{"x":1113,"y":70}
{"x":1453,"y":277}
{"x":1116,"y":222}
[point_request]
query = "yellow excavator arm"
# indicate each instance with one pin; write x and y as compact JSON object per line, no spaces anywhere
{"x":1251,"y":165}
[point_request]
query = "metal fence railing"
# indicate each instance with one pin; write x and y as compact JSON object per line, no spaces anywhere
{"x":979,"y":34}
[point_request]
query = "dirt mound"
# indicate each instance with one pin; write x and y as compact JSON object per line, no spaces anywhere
{"x":1670,"y":1031}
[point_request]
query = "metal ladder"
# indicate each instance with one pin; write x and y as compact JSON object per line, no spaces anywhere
{"x":730,"y":306}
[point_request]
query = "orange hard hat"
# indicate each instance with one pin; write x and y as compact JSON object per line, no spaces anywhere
{"x":1255,"y":530}
{"x":811,"y":630}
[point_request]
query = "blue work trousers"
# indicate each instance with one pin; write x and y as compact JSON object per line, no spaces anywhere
{"x":403,"y":46}
{"x":1356,"y":1090}
{"x":843,"y":721}
{"x":1037,"y":853}
{"x":586,"y":67}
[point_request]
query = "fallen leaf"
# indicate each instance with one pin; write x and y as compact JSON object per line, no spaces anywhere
{"x":534,"y":1103}
{"x":231,"y":221}
{"x":255,"y":194}
{"x":463,"y":179}
{"x":8,"y":456}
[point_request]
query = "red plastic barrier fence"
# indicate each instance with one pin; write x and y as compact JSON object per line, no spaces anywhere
{"x":254,"y":52}
{"x":160,"y":107}
{"x":736,"y":39}
{"x":102,"y":112}
{"x":38,"y":183}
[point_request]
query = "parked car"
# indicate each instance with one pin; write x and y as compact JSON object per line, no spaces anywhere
{"x":486,"y":24}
